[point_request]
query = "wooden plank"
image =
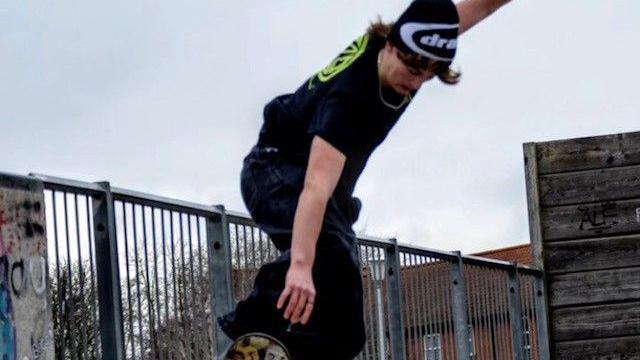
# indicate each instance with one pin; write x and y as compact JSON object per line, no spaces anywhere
{"x":594,"y":287}
{"x":589,"y":322}
{"x":590,"y":186}
{"x":591,"y":220}
{"x":627,"y":348}
{"x":533,"y":205}
{"x":593,"y":254}
{"x":589,"y":153}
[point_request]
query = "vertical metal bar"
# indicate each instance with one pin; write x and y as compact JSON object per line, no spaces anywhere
{"x":239,"y":278}
{"x":166,"y":276}
{"x":81,"y":278}
{"x":542,"y":318}
{"x":489,"y":311}
{"x":202,"y":293}
{"x":422,"y":314}
{"x":370,"y":345}
{"x":440,"y":311}
{"x":268,"y":247}
{"x":174,"y":267}
{"x":253,"y":251}
{"x":414,"y":298}
{"x":472,"y":297}
{"x":192,"y":304}
{"x":477,"y":345}
{"x":126,"y":268}
{"x":184,"y":298}
{"x":150,"y":310}
{"x":108,"y":275}
{"x":498,"y":312}
{"x":245,"y":260}
{"x":460,"y":309}
{"x":502,"y":290}
{"x":408,"y":302}
{"x":429,"y":298}
{"x":218,"y":247}
{"x":526,"y":317}
{"x":72,"y":310}
{"x":486,"y":315}
{"x":137,"y":276}
{"x":515,"y":310}
{"x":497,"y":286}
{"x":396,"y":321}
{"x":61,"y":294}
{"x":157,"y":341}
{"x":94,"y":300}
{"x":384,"y":348}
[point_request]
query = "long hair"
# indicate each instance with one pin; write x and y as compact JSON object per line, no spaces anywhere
{"x":380,"y":30}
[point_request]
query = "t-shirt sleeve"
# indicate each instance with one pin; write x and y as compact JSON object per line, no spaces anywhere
{"x":339,"y":121}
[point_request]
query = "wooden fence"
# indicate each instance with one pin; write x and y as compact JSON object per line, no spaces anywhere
{"x":584,"y":214}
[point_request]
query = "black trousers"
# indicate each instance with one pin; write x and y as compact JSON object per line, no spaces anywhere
{"x":270,"y":188}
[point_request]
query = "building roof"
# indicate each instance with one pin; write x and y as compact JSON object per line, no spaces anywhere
{"x":518,"y":253}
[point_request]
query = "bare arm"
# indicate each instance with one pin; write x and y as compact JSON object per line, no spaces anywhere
{"x":472,"y":12}
{"x":323,"y":172}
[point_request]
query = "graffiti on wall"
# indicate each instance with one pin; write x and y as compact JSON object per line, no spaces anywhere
{"x":25,"y":322}
{"x":7,"y":330}
{"x":598,"y":218}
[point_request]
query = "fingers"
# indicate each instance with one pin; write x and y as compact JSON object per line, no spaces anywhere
{"x":300,"y":304}
{"x":300,"y":307}
{"x":283,"y":297}
{"x":292,"y":304}
{"x":307,"y":313}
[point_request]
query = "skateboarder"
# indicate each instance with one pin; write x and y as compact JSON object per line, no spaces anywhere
{"x":298,"y":180}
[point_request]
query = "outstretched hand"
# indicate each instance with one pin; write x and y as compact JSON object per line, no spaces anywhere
{"x":300,"y":292}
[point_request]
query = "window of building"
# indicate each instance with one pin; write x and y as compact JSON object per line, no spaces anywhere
{"x":472,"y":347}
{"x":433,"y":347}
{"x":526,"y":329}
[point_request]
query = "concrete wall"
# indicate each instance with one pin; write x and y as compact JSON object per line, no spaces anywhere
{"x":26,"y":330}
{"x":584,"y":212}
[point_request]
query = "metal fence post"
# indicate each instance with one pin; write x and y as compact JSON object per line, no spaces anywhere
{"x":541,"y":318}
{"x":515,"y":312}
{"x":108,"y":275}
{"x":394,"y":299}
{"x":219,"y":253}
{"x":460,"y":319}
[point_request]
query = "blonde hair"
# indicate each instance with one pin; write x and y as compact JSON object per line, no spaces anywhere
{"x":380,"y":30}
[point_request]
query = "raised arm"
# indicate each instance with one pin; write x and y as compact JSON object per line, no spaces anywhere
{"x":472,"y":12}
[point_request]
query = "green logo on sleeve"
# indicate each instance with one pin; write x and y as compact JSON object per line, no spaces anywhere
{"x":346,"y":58}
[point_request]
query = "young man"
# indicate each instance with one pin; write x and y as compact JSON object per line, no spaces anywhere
{"x":298,"y":181}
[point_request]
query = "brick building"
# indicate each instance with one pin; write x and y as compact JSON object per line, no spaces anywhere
{"x":428,"y":317}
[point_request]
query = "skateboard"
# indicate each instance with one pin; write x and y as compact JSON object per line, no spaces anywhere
{"x":256,"y":346}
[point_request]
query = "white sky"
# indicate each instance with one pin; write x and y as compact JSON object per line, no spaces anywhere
{"x":166,"y":97}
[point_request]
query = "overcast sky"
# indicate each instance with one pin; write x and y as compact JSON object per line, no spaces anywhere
{"x":166,"y":97}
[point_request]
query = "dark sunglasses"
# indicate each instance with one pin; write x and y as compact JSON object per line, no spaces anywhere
{"x":421,"y":63}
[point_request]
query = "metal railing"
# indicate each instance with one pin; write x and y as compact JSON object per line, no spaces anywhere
{"x":138,"y":276}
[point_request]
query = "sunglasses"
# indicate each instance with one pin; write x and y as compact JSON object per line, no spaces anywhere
{"x":421,"y":63}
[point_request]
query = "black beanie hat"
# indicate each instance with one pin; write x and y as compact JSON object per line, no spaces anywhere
{"x":428,"y":28}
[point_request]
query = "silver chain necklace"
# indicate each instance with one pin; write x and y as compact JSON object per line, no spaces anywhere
{"x":405,"y":100}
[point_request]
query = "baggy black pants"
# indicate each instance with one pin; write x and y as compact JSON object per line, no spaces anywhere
{"x":270,"y":188}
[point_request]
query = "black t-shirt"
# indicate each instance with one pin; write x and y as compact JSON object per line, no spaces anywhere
{"x":342,"y":105}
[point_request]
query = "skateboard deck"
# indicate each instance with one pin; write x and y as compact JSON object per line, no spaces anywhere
{"x":256,"y":346}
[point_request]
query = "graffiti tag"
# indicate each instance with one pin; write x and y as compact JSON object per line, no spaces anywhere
{"x":599,"y":217}
{"x":36,"y":273}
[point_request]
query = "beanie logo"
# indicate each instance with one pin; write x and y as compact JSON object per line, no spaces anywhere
{"x":420,"y":37}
